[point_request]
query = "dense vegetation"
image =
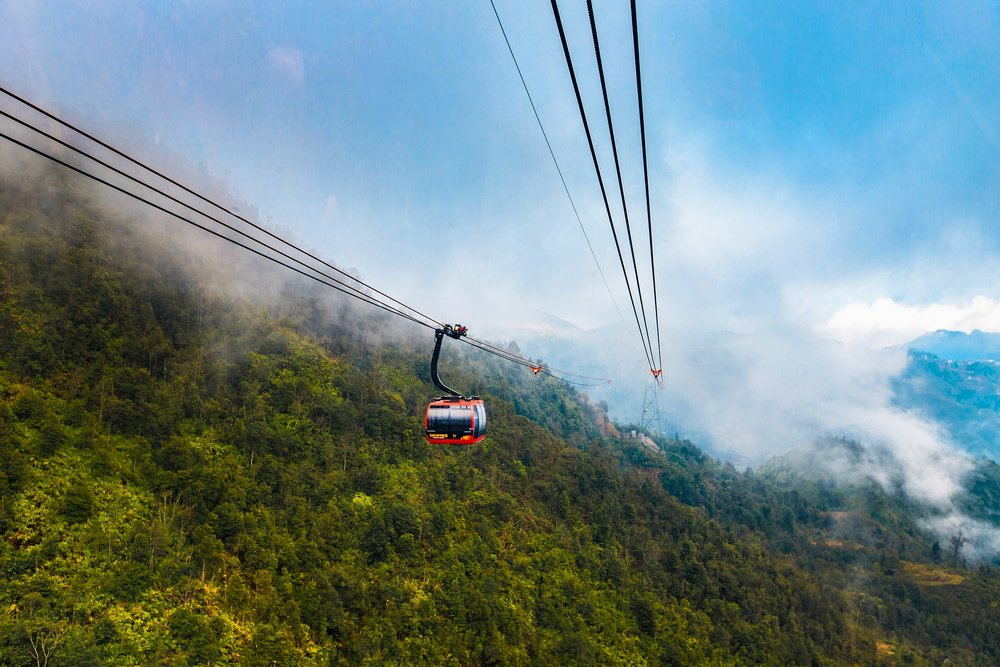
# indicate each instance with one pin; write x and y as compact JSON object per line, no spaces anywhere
{"x":192,"y":476}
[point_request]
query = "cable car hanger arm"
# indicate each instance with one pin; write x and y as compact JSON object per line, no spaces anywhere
{"x":455,"y":332}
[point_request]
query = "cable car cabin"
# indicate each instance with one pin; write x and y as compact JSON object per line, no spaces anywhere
{"x":455,"y":420}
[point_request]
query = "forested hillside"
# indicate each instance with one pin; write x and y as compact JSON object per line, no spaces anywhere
{"x":960,"y":394}
{"x":201,"y":464}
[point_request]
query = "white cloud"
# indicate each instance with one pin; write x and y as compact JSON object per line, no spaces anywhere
{"x":757,"y":254}
{"x":887,"y":322}
{"x":753,"y":396}
{"x":289,"y":62}
{"x":331,"y":207}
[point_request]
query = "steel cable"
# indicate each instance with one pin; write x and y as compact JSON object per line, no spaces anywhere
{"x":205,"y":199}
{"x":600,"y":179}
{"x":618,"y":170}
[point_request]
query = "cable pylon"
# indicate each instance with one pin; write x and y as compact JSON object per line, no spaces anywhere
{"x":650,"y":421}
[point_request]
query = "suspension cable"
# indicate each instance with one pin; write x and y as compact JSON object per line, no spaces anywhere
{"x":499,"y":351}
{"x":540,"y":367}
{"x":186,"y":205}
{"x":555,"y":161}
{"x":174,"y":214}
{"x":321,"y":278}
{"x":618,"y":169}
{"x":205,"y":199}
{"x":645,"y":174}
{"x":600,"y":179}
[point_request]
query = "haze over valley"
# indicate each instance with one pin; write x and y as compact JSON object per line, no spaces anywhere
{"x":722,"y":277}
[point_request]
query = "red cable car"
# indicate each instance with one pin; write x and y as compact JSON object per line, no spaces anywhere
{"x":453,"y":419}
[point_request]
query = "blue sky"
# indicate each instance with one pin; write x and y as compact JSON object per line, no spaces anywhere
{"x":807,"y":159}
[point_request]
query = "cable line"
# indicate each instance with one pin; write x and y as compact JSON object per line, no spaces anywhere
{"x":645,"y":175}
{"x":185,"y":204}
{"x":356,"y":295}
{"x":203,"y":198}
{"x":555,"y":161}
{"x":600,"y":179}
{"x":329,"y":281}
{"x":540,"y":368}
{"x":618,"y":170}
{"x":499,"y":351}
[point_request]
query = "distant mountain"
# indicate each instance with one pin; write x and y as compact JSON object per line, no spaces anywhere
{"x":610,"y":351}
{"x":191,"y":477}
{"x":529,"y":324}
{"x":953,"y":378}
{"x":959,"y":346}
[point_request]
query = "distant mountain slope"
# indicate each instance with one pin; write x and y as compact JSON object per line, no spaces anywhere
{"x":201,"y":464}
{"x":959,"y":346}
{"x":953,"y":378}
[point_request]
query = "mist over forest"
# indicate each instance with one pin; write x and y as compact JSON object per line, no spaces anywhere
{"x":713,"y":283}
{"x":210,"y":460}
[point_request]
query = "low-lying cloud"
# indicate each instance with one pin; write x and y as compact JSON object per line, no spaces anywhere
{"x":888,"y":322}
{"x":771,"y":293}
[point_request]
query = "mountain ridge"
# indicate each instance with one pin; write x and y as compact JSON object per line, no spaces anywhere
{"x":957,"y":345}
{"x":194,"y":474}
